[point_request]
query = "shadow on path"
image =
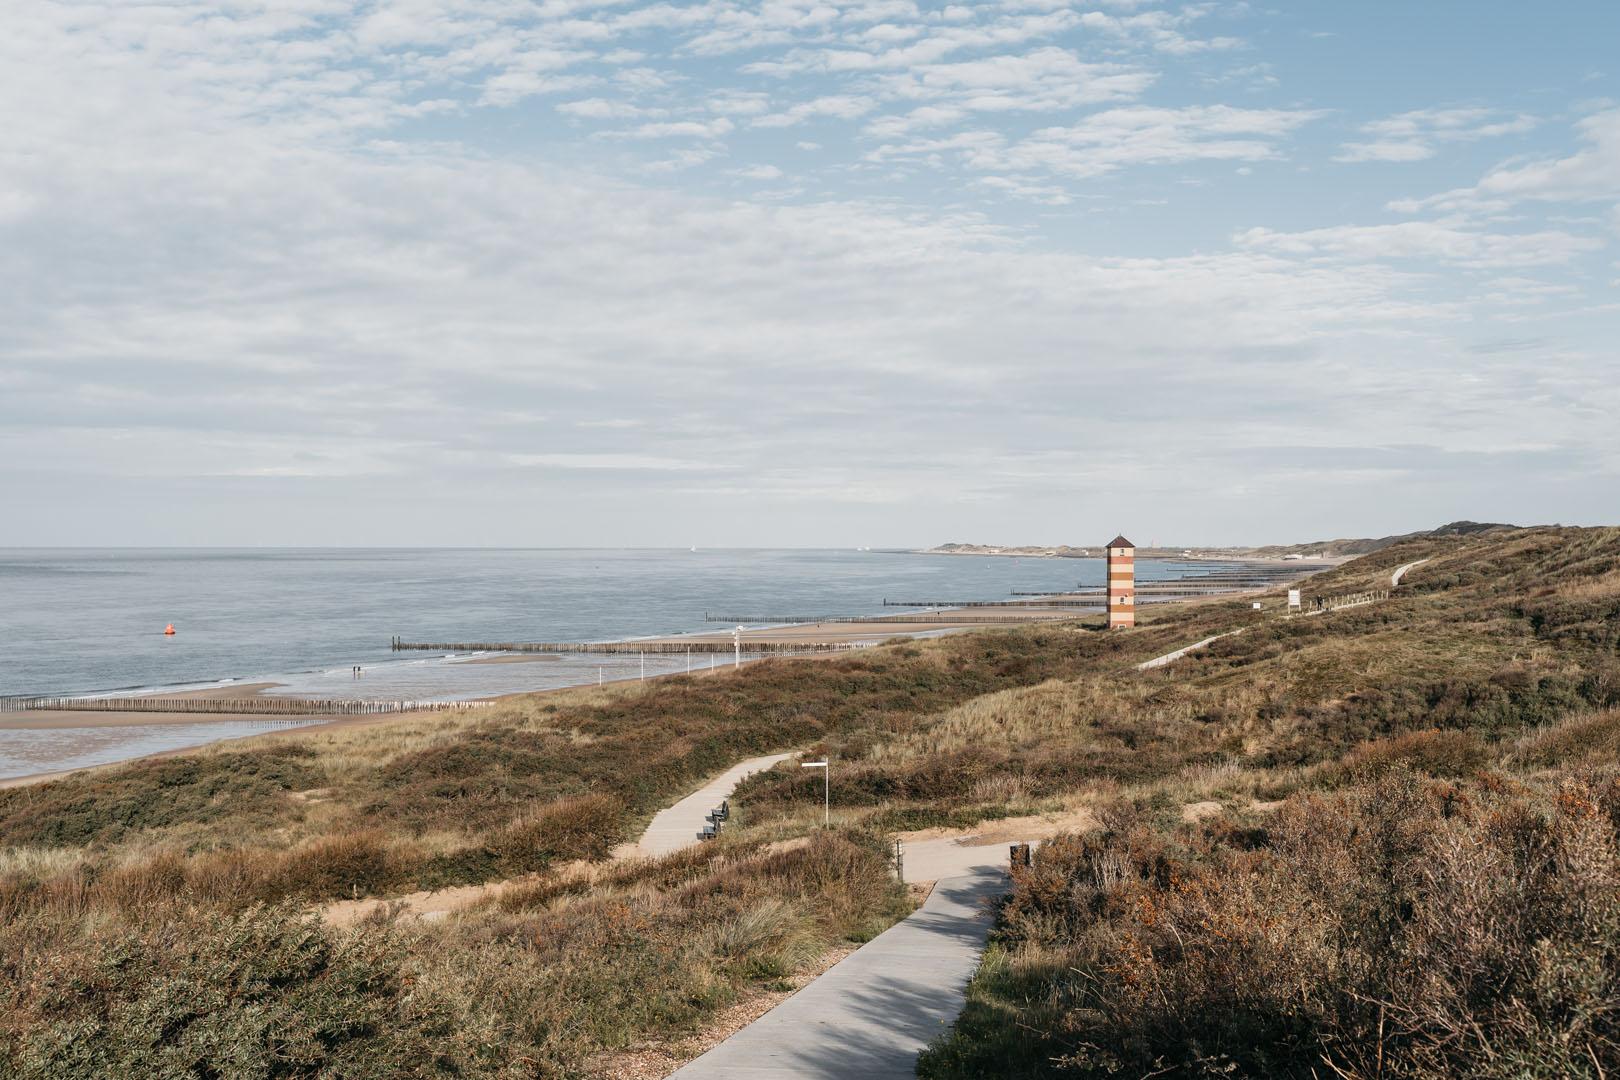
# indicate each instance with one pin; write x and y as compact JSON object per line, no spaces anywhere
{"x":871,"y":1015}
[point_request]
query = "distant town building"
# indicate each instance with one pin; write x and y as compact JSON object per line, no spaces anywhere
{"x":1121,"y":583}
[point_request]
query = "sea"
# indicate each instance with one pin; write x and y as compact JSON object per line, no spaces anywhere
{"x":91,"y":621}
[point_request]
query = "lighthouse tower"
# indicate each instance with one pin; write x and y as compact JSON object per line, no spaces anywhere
{"x":1121,"y":583}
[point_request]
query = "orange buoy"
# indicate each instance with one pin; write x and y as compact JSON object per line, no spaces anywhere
{"x":168,"y":631}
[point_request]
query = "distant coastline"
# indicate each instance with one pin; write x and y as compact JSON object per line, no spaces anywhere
{"x":1064,"y":551}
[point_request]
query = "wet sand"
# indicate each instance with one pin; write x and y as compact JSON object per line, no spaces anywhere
{"x":881,"y":628}
{"x":514,"y":658}
{"x":856,"y":634}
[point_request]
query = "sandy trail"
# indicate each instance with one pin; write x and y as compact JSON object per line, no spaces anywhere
{"x":671,"y":829}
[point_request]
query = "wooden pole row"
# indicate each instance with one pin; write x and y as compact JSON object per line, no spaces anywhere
{"x":880,"y":620}
{"x":250,"y":706}
{"x":622,"y":648}
{"x":984,"y":604}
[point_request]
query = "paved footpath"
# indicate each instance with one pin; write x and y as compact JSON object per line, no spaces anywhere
{"x":870,"y":1015}
{"x":1400,"y":572}
{"x":677,"y":826}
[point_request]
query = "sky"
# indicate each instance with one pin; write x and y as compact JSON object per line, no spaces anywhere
{"x":804,"y":272}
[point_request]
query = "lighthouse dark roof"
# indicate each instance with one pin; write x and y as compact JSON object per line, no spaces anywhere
{"x":1120,"y":541}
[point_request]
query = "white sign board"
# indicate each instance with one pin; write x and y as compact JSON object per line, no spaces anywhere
{"x":1293,"y":598}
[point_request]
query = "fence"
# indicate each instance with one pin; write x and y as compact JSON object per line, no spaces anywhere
{"x":1333,"y":603}
{"x":245,"y":706}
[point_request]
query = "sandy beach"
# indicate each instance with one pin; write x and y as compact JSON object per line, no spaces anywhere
{"x":880,"y":628}
{"x":144,"y":728}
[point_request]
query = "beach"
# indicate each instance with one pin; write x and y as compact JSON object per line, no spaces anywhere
{"x":97,"y":739}
{"x":583,"y":597}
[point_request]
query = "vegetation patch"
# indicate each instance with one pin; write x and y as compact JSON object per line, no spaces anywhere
{"x":1299,"y":821}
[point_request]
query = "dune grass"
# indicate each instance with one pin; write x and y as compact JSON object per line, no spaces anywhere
{"x":157,"y":917}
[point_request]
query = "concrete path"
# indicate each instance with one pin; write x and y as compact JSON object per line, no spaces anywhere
{"x":677,"y":826}
{"x":1177,"y":654}
{"x":871,"y":1015}
{"x":1400,"y":572}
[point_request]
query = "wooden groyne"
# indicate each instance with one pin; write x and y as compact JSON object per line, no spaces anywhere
{"x":985,"y":604}
{"x":707,"y":617}
{"x":943,"y":619}
{"x":244,"y":706}
{"x":624,"y":648}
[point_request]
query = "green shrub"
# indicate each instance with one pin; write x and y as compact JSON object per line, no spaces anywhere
{"x":263,"y":993}
{"x":239,"y":787}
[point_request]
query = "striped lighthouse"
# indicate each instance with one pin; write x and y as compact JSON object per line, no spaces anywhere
{"x":1121,"y":583}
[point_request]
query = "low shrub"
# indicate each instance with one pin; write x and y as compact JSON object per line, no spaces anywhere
{"x":1403,"y":928}
{"x":262,"y":993}
{"x":242,"y":787}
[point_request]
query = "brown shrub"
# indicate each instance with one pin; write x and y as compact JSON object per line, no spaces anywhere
{"x":586,"y":827}
{"x":1402,"y":928}
{"x":351,"y":864}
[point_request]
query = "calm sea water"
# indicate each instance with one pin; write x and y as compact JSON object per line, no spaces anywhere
{"x":76,"y":621}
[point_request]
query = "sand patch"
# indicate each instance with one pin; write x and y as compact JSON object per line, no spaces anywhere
{"x":1012,"y":829}
{"x":1193,"y":813}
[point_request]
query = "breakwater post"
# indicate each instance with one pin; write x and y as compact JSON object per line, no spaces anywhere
{"x":246,"y":706}
{"x":625,"y":648}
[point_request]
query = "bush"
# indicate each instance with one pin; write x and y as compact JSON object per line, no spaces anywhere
{"x":580,"y":828}
{"x":1403,"y":928}
{"x":243,"y":787}
{"x":264,"y":993}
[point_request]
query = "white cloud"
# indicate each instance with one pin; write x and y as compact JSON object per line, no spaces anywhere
{"x":232,"y":262}
{"x":603,"y":109}
{"x":836,"y":106}
{"x":1161,"y":30}
{"x":1415,"y":135}
{"x":1107,"y":141}
{"x":1021,"y":188}
{"x":1045,"y":79}
{"x":673,"y":129}
{"x":1424,"y":240}
{"x":618,"y":462}
{"x":1592,"y":174}
{"x":739,"y":103}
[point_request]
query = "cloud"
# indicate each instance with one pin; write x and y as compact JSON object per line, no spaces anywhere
{"x":297,"y":276}
{"x":1161,"y":30}
{"x":1415,"y":135}
{"x":1117,"y":138}
{"x":1043,"y":80}
{"x":1591,"y":174}
{"x":603,"y":109}
{"x":1424,"y":240}
{"x":617,"y":462}
{"x":673,"y":129}
{"x":835,"y":106}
